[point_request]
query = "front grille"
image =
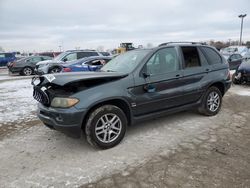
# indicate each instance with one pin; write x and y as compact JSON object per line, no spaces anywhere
{"x":41,"y":96}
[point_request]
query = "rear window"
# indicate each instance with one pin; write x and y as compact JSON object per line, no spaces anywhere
{"x":212,"y":56}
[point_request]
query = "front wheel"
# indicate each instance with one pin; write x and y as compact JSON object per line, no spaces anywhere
{"x":106,"y":126}
{"x":211,"y":102}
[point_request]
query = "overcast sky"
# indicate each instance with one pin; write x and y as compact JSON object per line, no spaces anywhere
{"x":42,"y":25}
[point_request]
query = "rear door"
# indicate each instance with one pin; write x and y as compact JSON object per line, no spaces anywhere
{"x":195,"y":73}
{"x":159,"y":85}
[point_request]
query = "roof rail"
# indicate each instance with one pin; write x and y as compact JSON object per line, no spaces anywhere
{"x":167,"y":43}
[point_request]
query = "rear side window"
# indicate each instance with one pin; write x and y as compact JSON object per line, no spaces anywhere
{"x":212,"y":56}
{"x":191,"y":57}
{"x":86,"y":54}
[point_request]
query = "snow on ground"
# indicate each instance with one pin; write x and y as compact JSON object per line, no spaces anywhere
{"x":16,"y":101}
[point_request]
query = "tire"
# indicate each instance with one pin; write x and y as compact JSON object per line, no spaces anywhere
{"x":99,"y":129}
{"x":27,"y":71}
{"x":212,"y":97}
{"x":55,"y":70}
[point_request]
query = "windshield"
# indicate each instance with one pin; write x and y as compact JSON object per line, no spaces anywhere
{"x":60,"y":56}
{"x":126,"y":62}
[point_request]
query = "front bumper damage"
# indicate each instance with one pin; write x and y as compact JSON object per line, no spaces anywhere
{"x":69,"y":121}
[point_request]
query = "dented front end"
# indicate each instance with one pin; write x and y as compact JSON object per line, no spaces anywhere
{"x":56,"y":95}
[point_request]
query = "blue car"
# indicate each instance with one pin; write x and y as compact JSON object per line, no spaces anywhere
{"x":6,"y":58}
{"x":86,"y":64}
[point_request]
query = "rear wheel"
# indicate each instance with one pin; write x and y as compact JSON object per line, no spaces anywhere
{"x":27,"y":71}
{"x":211,"y":102}
{"x":106,"y":126}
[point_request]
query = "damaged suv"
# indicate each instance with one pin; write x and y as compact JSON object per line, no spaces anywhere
{"x":137,"y":85}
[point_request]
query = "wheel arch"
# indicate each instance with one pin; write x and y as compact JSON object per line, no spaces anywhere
{"x":220,"y":86}
{"x":119,"y":102}
{"x":54,"y":66}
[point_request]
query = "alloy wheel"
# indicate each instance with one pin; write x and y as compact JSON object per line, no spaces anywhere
{"x":213,"y":101}
{"x":108,"y":128}
{"x":27,"y":71}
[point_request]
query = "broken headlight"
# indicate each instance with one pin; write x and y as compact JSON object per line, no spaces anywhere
{"x":61,"y":102}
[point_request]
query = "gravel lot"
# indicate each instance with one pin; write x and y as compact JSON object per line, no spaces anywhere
{"x":181,"y":150}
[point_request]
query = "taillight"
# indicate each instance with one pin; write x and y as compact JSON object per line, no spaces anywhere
{"x":66,"y":69}
{"x":229,"y":76}
{"x":12,"y":64}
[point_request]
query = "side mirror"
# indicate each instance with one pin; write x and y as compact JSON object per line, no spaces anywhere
{"x":65,"y":59}
{"x":229,"y":60}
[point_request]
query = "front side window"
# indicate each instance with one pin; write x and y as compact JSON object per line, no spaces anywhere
{"x":35,"y":59}
{"x":70,"y":57}
{"x":163,"y":61}
{"x":191,"y":57}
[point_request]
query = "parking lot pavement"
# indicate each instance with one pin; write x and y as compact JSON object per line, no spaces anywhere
{"x":216,"y":157}
{"x":179,"y":145}
{"x":6,"y":76}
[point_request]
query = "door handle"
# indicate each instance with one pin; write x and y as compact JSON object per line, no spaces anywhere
{"x":207,"y":70}
{"x":177,"y":75}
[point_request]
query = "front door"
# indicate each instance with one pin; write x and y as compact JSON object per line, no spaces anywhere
{"x":159,"y":86}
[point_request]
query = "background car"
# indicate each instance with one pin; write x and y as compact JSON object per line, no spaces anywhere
{"x":242,"y":50}
{"x":55,"y":65}
{"x":5,"y":58}
{"x":246,"y":56}
{"x":234,"y":60}
{"x":242,"y":74}
{"x":86,"y":64}
{"x":26,"y":66}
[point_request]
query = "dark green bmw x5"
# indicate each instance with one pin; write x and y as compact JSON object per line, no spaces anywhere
{"x":137,"y":85}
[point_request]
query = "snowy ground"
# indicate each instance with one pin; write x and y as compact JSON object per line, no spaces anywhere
{"x":16,"y":101}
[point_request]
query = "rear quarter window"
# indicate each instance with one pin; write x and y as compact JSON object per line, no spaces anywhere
{"x":212,"y":56}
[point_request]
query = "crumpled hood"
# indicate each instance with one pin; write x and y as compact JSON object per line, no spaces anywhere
{"x":62,"y":79}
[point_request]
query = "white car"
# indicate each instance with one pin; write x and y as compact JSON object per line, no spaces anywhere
{"x":54,"y":65}
{"x":242,"y":50}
